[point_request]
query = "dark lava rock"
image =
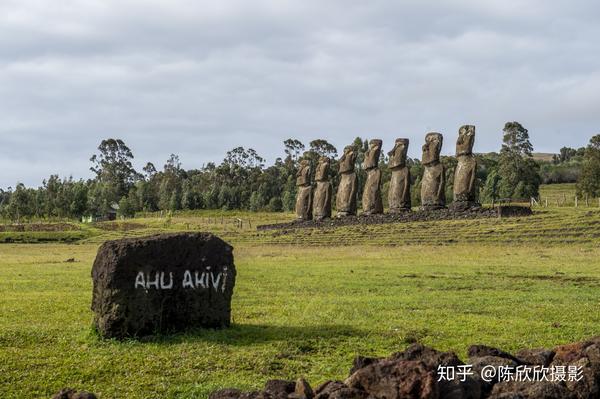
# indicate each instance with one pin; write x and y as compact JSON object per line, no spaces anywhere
{"x":463,"y":206}
{"x":327,"y":388}
{"x":431,"y":357}
{"x":303,"y":390}
{"x":585,"y":354}
{"x":348,"y":393}
{"x":537,"y":357}
{"x":396,"y":379}
{"x":227,"y":393}
{"x":415,"y":373}
{"x":256,"y":395}
{"x":481,"y":363}
{"x":469,"y":388}
{"x":69,"y":393}
{"x":484,"y":351}
{"x":162,"y":283}
{"x":360,"y":362}
{"x":529,"y":390}
{"x":338,"y":390}
{"x":280,"y":388}
{"x":570,"y":353}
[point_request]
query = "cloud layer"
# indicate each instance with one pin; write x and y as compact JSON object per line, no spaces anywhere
{"x":197,"y":78}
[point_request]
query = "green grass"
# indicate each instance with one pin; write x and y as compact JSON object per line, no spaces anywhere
{"x":563,"y":195}
{"x":297,"y":311}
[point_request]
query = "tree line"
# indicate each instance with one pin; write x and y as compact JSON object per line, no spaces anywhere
{"x":243,"y":181}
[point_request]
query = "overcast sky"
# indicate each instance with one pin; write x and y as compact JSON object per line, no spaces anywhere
{"x":197,"y":78}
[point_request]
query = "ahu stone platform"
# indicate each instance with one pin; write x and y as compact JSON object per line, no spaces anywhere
{"x":418,"y":216}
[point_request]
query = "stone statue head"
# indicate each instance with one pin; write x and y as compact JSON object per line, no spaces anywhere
{"x":432,"y":148}
{"x":373,"y":153}
{"x":398,"y":153}
{"x":347,"y":160}
{"x":466,"y":139}
{"x":322,"y":173}
{"x":303,"y":175}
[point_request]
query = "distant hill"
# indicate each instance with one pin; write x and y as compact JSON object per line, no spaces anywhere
{"x":538,"y":156}
{"x":543,"y":156}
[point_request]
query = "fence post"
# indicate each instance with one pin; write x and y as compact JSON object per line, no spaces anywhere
{"x":575,"y":201}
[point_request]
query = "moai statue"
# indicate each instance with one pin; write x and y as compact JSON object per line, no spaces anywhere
{"x":304,"y":196}
{"x":371,"y":198}
{"x":346,"y":194}
{"x":466,"y":170}
{"x":433,"y":185}
{"x":399,"y":192}
{"x":323,"y":192}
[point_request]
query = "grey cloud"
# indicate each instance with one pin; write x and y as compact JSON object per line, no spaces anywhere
{"x":199,"y":78}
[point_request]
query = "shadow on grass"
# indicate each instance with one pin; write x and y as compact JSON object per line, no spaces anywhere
{"x":249,"y":334}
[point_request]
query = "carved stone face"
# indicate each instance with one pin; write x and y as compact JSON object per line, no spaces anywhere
{"x":373,"y":153}
{"x":466,"y":139}
{"x":322,"y":173}
{"x":432,"y":148}
{"x":347,"y":160}
{"x":303,"y":175}
{"x":398,"y":153}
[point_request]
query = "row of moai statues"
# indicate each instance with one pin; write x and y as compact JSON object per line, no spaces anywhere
{"x":433,"y":183}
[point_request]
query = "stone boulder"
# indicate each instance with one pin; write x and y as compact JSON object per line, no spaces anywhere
{"x":585,"y":355}
{"x":338,"y":390}
{"x":529,"y":390}
{"x":162,"y":283}
{"x":280,"y":388}
{"x":302,"y":390}
{"x":536,"y":357}
{"x":69,"y":393}
{"x":485,"y":351}
{"x":412,"y":373}
{"x":396,"y":379}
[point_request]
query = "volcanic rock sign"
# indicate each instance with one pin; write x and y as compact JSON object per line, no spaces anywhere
{"x":371,"y":199}
{"x":323,"y":191}
{"x":399,"y":194}
{"x":162,"y":283}
{"x":304,"y":196}
{"x":433,"y":185}
{"x":466,"y":170}
{"x":346,"y":193}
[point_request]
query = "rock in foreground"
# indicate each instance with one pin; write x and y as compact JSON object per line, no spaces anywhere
{"x":162,"y":283}
{"x":420,"y":372}
{"x":69,"y":393}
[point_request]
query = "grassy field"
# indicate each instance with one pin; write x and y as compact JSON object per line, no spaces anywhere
{"x":306,"y":302}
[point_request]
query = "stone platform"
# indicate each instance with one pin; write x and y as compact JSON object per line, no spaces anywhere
{"x":413,"y":216}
